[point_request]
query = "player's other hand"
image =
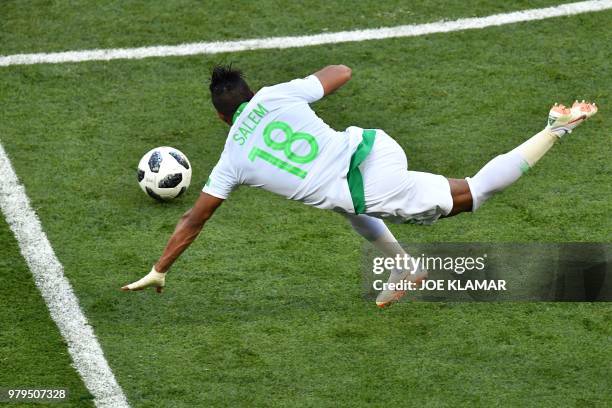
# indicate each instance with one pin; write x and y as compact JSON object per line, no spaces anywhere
{"x":152,"y":279}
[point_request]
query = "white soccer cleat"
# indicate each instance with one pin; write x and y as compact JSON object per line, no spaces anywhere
{"x":387,"y":297}
{"x":562,"y":120}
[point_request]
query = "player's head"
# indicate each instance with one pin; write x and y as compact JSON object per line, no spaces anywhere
{"x":228,"y":90}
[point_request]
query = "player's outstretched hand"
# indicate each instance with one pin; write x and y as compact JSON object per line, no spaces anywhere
{"x":152,"y":279}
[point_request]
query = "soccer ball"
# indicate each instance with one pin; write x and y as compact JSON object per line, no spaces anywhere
{"x":164,"y":173}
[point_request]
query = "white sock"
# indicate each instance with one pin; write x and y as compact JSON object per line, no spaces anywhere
{"x":495,"y":176}
{"x":534,"y":148}
{"x":376,"y":231}
{"x":505,"y":169}
{"x":371,"y":228}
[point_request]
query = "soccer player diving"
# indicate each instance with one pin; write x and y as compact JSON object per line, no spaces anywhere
{"x":278,"y":143}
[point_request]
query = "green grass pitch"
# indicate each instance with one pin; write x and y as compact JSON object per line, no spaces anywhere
{"x":265,"y":309}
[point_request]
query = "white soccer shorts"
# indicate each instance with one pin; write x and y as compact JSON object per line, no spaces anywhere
{"x":394,"y":193}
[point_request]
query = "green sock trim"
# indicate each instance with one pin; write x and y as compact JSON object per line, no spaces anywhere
{"x":525,"y":167}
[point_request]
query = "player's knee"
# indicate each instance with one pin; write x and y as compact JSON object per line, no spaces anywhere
{"x":370,"y":228}
{"x":463,"y":198}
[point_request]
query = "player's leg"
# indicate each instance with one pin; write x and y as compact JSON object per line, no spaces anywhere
{"x":376,"y":231}
{"x":462,"y":197}
{"x":505,"y":169}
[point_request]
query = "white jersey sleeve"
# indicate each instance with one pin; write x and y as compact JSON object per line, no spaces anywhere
{"x":222,"y":180}
{"x":308,"y":89}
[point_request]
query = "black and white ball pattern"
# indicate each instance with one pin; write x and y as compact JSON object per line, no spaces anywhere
{"x":164,"y":173}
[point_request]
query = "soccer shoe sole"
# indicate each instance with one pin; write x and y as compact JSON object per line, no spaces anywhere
{"x":564,"y":119}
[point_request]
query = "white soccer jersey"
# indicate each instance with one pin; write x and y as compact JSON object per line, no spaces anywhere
{"x":278,"y":143}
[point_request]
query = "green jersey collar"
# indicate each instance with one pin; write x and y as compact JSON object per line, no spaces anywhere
{"x":239,"y":111}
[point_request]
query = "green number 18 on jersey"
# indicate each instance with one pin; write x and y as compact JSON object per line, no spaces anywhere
{"x":290,"y":138}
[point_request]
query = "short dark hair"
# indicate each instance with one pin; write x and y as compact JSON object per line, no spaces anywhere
{"x":228,"y":89}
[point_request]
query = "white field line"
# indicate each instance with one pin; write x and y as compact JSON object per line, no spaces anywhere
{"x":307,"y":40}
{"x":83,"y":346}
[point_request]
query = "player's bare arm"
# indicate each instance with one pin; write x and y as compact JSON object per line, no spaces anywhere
{"x":187,"y":230}
{"x":333,"y":77}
